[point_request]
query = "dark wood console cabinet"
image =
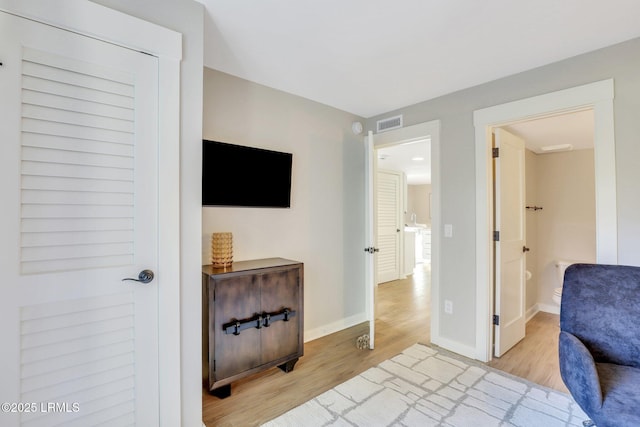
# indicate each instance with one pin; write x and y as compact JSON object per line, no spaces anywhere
{"x":252,"y":320}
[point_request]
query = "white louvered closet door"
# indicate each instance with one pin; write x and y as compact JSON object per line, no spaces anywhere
{"x":389,"y":225}
{"x":78,"y":184}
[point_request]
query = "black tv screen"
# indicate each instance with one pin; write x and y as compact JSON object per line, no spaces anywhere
{"x":235,"y":175}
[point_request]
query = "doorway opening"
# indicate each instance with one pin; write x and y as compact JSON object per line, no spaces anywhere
{"x":557,"y":212}
{"x":597,"y":96}
{"x":404,"y":138}
{"x":403,"y":208}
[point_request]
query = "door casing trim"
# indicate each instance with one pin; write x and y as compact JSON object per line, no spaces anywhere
{"x":597,"y":96}
{"x":409,"y":134}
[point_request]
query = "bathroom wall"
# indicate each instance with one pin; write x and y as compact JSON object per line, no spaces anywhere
{"x":565,"y":229}
{"x":418,"y":202}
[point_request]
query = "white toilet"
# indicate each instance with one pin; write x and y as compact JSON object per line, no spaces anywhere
{"x":561,"y":266}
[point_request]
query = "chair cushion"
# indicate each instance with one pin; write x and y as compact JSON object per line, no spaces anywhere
{"x":601,"y":307}
{"x":621,"y":396}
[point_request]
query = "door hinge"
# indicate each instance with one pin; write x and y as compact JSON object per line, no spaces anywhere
{"x":495,"y":152}
{"x":496,"y":319}
{"x":496,"y":236}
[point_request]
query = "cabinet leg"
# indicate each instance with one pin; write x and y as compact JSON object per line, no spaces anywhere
{"x":222,"y":392}
{"x":288,"y":366}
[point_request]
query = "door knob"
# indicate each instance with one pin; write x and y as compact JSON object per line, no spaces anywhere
{"x":145,"y":276}
{"x":525,"y":249}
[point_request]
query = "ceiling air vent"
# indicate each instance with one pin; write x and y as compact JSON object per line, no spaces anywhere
{"x":389,"y":123}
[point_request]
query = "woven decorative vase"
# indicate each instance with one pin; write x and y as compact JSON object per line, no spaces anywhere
{"x":221,"y":249}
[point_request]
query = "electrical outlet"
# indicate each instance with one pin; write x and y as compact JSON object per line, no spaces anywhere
{"x":448,"y":306}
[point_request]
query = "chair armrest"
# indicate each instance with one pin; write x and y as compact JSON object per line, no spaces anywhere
{"x":579,"y":373}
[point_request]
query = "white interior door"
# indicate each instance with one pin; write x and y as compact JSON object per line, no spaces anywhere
{"x":370,"y":237}
{"x":509,"y":248}
{"x":78,"y":180}
{"x":389,"y":224}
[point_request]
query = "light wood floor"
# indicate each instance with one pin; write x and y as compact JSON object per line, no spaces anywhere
{"x":536,"y":357}
{"x":402,"y":319}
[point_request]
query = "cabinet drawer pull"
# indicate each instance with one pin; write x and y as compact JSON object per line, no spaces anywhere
{"x":236,"y":328}
{"x":258,"y":321}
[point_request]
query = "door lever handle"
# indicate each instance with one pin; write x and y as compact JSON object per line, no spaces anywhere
{"x":525,"y":249}
{"x":145,"y":276}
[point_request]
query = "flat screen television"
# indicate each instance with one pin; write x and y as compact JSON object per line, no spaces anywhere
{"x":235,"y":175}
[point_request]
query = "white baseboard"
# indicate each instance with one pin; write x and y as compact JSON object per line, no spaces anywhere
{"x":531,"y":312}
{"x":549,"y":308}
{"x":455,"y":347}
{"x":341,"y":324}
{"x":545,"y":308}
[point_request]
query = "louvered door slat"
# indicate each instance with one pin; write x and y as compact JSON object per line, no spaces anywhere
{"x":67,"y":170}
{"x":30,"y":97}
{"x":70,"y":184}
{"x":76,"y":92}
{"x":69,"y":362}
{"x":40,"y":154}
{"x":71,"y":131}
{"x":77,"y":252}
{"x":51,"y":114}
{"x":69,"y":264}
{"x":75,"y":238}
{"x":46,"y":69}
{"x":77,"y":145}
{"x":76,"y":211}
{"x":71,"y":64}
{"x":76,"y":198}
{"x":35,"y":225}
{"x":44,"y":354}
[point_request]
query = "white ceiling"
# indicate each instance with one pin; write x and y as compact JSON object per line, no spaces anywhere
{"x":575,"y":129}
{"x":401,"y":158}
{"x":370,"y":57}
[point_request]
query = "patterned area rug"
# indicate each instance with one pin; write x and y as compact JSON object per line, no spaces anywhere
{"x":424,"y":387}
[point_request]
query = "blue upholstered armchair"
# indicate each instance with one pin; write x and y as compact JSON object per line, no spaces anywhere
{"x":600,"y":342}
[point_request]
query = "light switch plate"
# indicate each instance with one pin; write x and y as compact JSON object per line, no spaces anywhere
{"x":448,"y":230}
{"x":448,"y":306}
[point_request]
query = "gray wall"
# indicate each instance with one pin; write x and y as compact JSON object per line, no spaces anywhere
{"x":324,"y":228}
{"x":455,"y":112}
